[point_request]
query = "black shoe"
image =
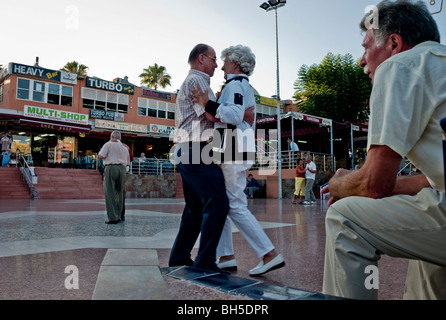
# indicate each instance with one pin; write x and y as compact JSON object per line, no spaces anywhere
{"x":113,"y":222}
{"x":123,"y":218}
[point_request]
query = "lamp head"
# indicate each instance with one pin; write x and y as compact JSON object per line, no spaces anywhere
{"x":264,"y":6}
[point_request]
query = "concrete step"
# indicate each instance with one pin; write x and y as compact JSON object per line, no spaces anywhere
{"x":12,"y":185}
{"x":130,"y":274}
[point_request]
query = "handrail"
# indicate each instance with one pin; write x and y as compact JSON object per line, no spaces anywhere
{"x":28,"y":175}
{"x":408,"y":164}
{"x":151,"y":166}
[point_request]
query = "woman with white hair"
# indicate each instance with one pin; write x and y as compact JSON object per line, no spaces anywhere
{"x":236,"y":147}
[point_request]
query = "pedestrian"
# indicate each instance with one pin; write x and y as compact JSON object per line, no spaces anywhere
{"x":310,"y":176}
{"x":115,"y":157}
{"x":299,"y":185}
{"x":207,"y":204}
{"x":293,"y":150}
{"x":374,"y":213}
{"x":237,"y":145}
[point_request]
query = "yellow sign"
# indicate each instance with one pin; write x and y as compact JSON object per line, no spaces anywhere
{"x":266,"y":101}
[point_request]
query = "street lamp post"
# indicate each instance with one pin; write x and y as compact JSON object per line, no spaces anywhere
{"x":268,"y":6}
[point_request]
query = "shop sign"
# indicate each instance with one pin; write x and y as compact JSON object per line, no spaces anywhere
{"x":360,"y":128}
{"x":69,"y":78}
{"x":121,"y":126}
{"x":160,"y":129}
{"x":106,"y":115}
{"x":110,"y":86}
{"x":156,"y":94}
{"x":266,"y":101}
{"x":324,"y":122}
{"x":42,"y":73}
{"x":55,"y":115}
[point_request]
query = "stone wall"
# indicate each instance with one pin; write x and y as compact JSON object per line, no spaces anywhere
{"x":165,"y":186}
{"x":150,"y":186}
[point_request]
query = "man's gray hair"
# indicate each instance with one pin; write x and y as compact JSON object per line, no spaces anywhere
{"x":116,"y":135}
{"x":410,"y":19}
{"x":243,"y":55}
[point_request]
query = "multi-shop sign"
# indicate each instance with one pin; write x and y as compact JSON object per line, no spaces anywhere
{"x":42,"y":73}
{"x":160,"y":129}
{"x":106,"y":115}
{"x":109,"y":85}
{"x":55,"y":115}
{"x":156,"y":94}
{"x":121,"y":126}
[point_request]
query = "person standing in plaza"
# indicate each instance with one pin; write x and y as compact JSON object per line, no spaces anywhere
{"x":237,"y":149}
{"x":310,"y":176}
{"x":207,"y":204}
{"x":299,"y":185}
{"x":115,"y":157}
{"x":374,"y":213}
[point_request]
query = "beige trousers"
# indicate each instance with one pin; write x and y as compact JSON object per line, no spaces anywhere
{"x":359,"y":230}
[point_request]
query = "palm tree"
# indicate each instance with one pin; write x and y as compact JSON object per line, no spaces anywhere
{"x":155,"y":75}
{"x":76,"y":68}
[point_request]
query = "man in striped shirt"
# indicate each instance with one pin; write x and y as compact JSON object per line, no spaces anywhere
{"x":204,"y":189}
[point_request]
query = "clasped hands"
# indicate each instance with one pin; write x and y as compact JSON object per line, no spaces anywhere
{"x":202,"y":98}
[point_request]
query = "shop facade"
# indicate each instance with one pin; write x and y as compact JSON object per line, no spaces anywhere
{"x":56,"y":118}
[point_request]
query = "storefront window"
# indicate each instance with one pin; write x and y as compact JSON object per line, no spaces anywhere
{"x":21,"y":143}
{"x":62,"y":153}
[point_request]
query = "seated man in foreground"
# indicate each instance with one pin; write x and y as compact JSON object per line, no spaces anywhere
{"x":372,"y":212}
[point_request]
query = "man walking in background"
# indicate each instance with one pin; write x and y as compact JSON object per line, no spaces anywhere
{"x":115,"y":157}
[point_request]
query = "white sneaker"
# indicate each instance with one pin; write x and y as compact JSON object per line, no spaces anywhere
{"x":306,"y":203}
{"x":313,"y":202}
{"x":230,"y":265}
{"x":262,"y":268}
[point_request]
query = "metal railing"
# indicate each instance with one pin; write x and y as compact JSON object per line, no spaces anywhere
{"x":289,"y":160}
{"x":406,"y":168}
{"x":28,"y":173}
{"x":151,"y":166}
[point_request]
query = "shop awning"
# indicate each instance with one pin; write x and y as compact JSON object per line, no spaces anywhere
{"x":58,"y":126}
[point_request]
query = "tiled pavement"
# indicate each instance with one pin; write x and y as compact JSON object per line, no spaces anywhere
{"x":43,"y":241}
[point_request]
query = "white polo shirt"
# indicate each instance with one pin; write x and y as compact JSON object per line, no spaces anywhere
{"x":407,"y":103}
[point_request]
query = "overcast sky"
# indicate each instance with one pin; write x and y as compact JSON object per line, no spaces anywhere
{"x":119,"y":38}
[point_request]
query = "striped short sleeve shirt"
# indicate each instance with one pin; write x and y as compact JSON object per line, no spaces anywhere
{"x":190,"y":121}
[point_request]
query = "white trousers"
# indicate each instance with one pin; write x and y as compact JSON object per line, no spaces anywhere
{"x":360,"y":229}
{"x":239,"y":214}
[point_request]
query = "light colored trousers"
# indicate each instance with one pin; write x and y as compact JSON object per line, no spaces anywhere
{"x":244,"y":220}
{"x":309,"y":193}
{"x":360,"y":229}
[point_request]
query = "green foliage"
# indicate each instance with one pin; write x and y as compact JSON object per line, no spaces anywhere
{"x":155,"y":75}
{"x":337,"y":89}
{"x":76,"y":68}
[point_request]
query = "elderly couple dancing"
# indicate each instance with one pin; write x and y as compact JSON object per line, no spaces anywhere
{"x":213,"y":190}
